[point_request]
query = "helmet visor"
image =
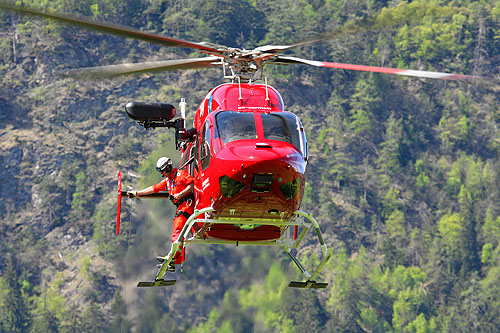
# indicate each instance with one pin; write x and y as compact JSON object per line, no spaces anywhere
{"x":167,"y":167}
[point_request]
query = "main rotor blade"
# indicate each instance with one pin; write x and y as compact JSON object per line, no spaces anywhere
{"x":349,"y":29}
{"x":386,"y":19}
{"x":145,"y":67}
{"x":387,"y":70}
{"x":114,"y":29}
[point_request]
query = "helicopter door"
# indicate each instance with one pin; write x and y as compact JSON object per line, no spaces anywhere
{"x":203,"y":157}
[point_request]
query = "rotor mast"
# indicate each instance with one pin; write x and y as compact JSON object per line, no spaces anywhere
{"x":239,"y":64}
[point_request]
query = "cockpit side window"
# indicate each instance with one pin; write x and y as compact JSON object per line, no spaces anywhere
{"x":185,"y":159}
{"x":232,"y":126}
{"x":205,"y":146}
{"x":284,"y":127}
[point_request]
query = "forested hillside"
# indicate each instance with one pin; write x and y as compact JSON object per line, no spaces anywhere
{"x":403,"y":173}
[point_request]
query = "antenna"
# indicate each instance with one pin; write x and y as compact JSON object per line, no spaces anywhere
{"x":182,"y":104}
{"x":240,"y":99}
{"x":267,"y":95}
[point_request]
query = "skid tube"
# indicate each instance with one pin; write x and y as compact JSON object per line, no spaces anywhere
{"x":284,"y":242}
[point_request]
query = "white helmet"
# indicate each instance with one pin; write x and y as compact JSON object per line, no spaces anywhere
{"x":163,"y":163}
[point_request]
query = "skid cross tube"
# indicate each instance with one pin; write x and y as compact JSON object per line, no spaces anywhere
{"x":307,"y":221}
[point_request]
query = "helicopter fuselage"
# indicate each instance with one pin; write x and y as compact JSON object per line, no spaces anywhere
{"x":248,"y":159}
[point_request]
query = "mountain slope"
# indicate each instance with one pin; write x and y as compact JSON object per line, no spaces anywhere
{"x":403,"y":173}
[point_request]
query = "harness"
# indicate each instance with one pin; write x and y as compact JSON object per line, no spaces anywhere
{"x":189,"y":197}
{"x":170,"y":184}
{"x":185,"y":214}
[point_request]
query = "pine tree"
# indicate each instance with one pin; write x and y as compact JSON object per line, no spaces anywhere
{"x":17,"y":314}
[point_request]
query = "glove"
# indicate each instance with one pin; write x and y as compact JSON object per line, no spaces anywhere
{"x":131,"y":194}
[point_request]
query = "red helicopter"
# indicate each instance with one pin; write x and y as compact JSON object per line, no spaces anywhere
{"x":248,"y":155}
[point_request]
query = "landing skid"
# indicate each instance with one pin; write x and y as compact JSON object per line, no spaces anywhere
{"x":156,"y":283}
{"x":307,"y":284}
{"x":300,"y":218}
{"x":327,"y":254}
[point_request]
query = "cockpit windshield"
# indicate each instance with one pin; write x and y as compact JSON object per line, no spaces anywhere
{"x":234,"y":126}
{"x":283,"y":126}
{"x":280,"y":126}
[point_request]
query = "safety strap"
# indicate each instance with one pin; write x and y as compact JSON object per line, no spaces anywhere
{"x":185,"y":214}
{"x":184,"y":199}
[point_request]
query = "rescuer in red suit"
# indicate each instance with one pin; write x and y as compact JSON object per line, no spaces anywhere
{"x":179,"y":184}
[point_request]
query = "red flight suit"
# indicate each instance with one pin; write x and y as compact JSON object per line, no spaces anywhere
{"x":176,"y":182}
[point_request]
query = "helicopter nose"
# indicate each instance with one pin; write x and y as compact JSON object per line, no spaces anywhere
{"x":268,"y":156}
{"x":261,"y":168}
{"x":259,"y":179}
